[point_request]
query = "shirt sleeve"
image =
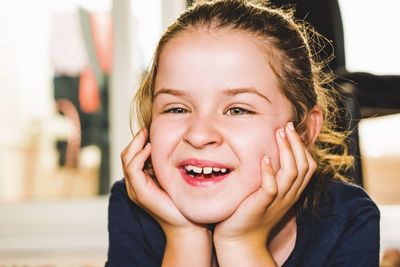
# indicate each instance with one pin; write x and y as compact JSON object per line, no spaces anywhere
{"x":358,"y":244}
{"x":129,"y":245}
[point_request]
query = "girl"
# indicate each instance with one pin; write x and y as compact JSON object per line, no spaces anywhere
{"x":235,"y":164}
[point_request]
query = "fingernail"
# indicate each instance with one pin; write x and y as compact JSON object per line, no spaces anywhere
{"x":267,"y":160}
{"x":281,"y":132}
{"x":291,"y":126}
{"x":147,"y":146}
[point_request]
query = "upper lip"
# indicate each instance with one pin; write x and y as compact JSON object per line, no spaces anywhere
{"x":204,"y":163}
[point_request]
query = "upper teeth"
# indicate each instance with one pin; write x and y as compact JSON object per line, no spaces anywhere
{"x":205,"y":170}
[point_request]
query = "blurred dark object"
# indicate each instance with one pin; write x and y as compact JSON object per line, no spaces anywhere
{"x":93,"y":127}
{"x":81,"y":86}
{"x":364,"y":94}
{"x":72,"y":145}
{"x":374,"y":91}
{"x":326,"y":18}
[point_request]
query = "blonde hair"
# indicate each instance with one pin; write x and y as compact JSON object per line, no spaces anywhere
{"x":293,"y":57}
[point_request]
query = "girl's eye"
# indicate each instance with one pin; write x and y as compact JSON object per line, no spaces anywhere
{"x":176,"y":110}
{"x":239,"y":111}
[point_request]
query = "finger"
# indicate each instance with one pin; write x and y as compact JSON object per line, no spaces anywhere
{"x":136,"y":143}
{"x":131,"y":174}
{"x":136,"y":180}
{"x":128,"y":186}
{"x":135,"y":136}
{"x":268,"y":181}
{"x":312,"y":167}
{"x":287,"y":173}
{"x":134,"y":146}
{"x":299,"y":153}
{"x":268,"y":190}
{"x":130,"y":190}
{"x":257,"y":202}
{"x":133,"y":170}
{"x":146,"y":190}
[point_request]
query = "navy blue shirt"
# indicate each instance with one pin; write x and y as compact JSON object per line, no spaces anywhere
{"x":345,"y":232}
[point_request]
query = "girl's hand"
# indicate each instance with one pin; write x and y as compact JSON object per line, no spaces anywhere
{"x":241,"y":239}
{"x":183,"y":237}
{"x":143,"y":190}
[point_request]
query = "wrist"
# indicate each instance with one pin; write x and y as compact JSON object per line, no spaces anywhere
{"x":253,"y":238}
{"x":243,"y":252}
{"x":191,"y":246}
{"x":187,"y":233}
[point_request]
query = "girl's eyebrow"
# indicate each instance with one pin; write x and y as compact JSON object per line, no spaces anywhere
{"x":170,"y":92}
{"x":251,"y":90}
{"x":230,"y":92}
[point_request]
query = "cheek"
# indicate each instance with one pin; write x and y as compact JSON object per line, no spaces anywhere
{"x":163,"y":140}
{"x":165,"y":137}
{"x":156,"y":132}
{"x":259,"y":141}
{"x":163,"y":134}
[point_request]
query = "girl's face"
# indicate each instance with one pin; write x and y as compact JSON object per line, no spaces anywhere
{"x":215,"y":112}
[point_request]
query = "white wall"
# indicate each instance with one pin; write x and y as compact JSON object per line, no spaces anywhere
{"x":25,"y":85}
{"x":372,"y":35}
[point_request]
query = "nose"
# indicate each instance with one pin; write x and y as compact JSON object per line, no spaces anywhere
{"x":202,"y":132}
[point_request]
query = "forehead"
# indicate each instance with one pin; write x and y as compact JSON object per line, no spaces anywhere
{"x":216,"y":58}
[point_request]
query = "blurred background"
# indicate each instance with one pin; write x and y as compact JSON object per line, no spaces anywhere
{"x":68,"y":72}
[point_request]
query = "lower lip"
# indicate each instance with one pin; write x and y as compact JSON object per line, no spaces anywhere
{"x":201,"y":182}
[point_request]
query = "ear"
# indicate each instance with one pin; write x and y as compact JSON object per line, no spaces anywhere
{"x":314,"y":124}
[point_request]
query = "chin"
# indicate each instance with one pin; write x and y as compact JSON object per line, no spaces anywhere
{"x":208,"y":215}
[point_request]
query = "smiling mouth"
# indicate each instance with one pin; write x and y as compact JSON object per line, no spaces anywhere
{"x":205,"y":172}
